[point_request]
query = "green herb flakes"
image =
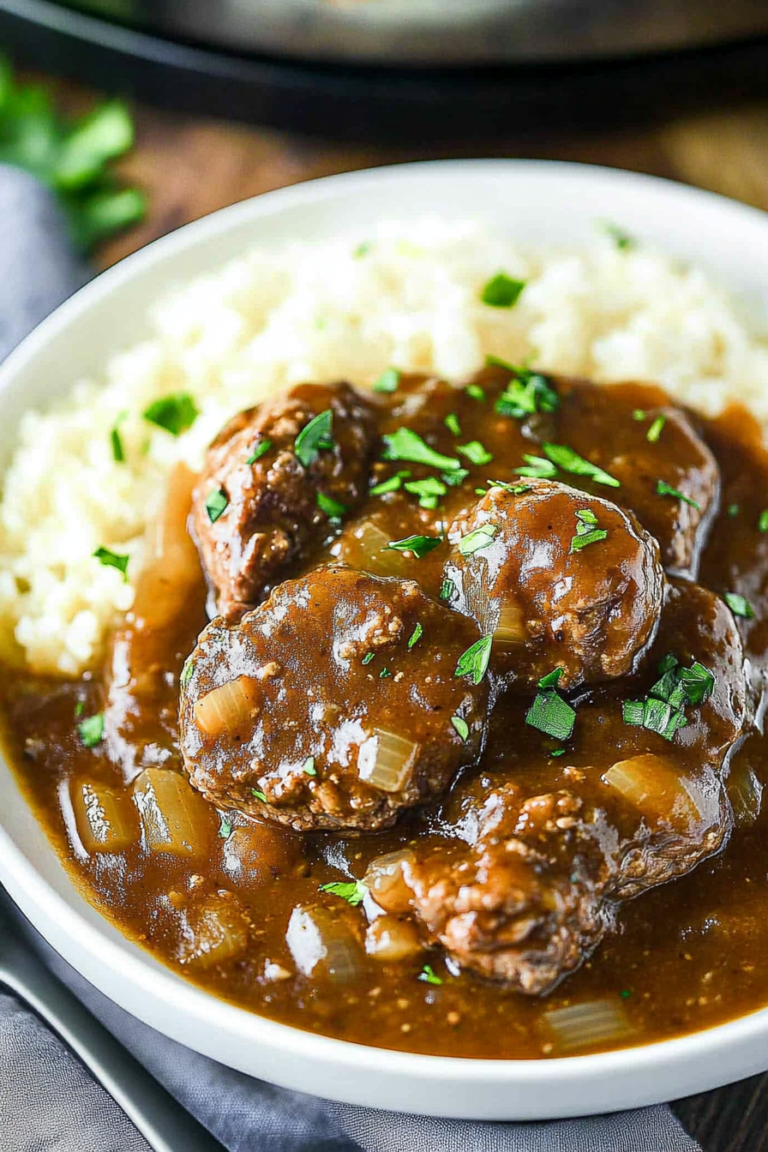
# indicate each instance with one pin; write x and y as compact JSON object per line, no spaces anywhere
{"x":739,"y":605}
{"x":404,"y":444}
{"x":362,"y":249}
{"x":587,"y":531}
{"x":428,"y":491}
{"x":655,"y":430}
{"x":447,"y":590}
{"x":186,"y":672}
{"x":316,"y":436}
{"x":418,"y":545}
{"x":415,"y":636}
{"x":368,"y":657}
{"x":762,"y":523}
{"x":664,"y":489}
{"x":118,"y":452}
{"x":259,"y":795}
{"x":475,"y":453}
{"x":392,"y":484}
{"x":354,"y":891}
{"x":79,"y":709}
{"x":732,"y":512}
{"x":308,"y":767}
{"x":514,"y":489}
{"x":537,"y":468}
{"x":388,"y":381}
{"x":662,"y":711}
{"x":113,"y":560}
{"x":502,"y":291}
{"x":428,"y":976}
{"x":91,"y":730}
{"x":564,"y":457}
{"x":384,"y":674}
{"x":215,"y":504}
{"x":623,"y":241}
{"x":639,"y":414}
{"x":260,"y":450}
{"x":453,"y":479}
{"x":461,"y":726}
{"x":475,"y":392}
{"x":552,"y":679}
{"x":452,"y":424}
{"x":334,"y":509}
{"x":474,"y":662}
{"x":525,"y":394}
{"x":173,"y":413}
{"x":225,"y":828}
{"x":479,"y":538}
{"x":551,"y":714}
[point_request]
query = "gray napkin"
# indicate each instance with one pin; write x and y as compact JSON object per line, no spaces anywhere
{"x":48,"y":1102}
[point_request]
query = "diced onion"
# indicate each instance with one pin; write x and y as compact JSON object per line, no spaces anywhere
{"x":172,"y":565}
{"x":320,"y":941}
{"x":175,"y":818}
{"x":257,"y":853}
{"x":587,"y":1025}
{"x":390,"y":939}
{"x":511,"y":626}
{"x":386,"y":760}
{"x":105,"y":817}
{"x":385,"y":882}
{"x":216,"y":932}
{"x":229,"y":709}
{"x":653,"y":785}
{"x":745,"y":793}
{"x":366,"y":548}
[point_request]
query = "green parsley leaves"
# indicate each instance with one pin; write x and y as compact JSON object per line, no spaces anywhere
{"x":662,"y":709}
{"x":475,"y":453}
{"x":91,"y":730}
{"x":173,"y":413}
{"x":569,"y":461}
{"x":739,"y":605}
{"x":447,"y":590}
{"x":259,"y":795}
{"x":655,"y":430}
{"x":225,"y":828}
{"x":404,"y":444}
{"x":428,"y":976}
{"x":334,"y":509}
{"x":113,"y":560}
{"x":260,"y":450}
{"x":314,"y":437}
{"x":502,"y":291}
{"x":461,"y":726}
{"x":537,"y":468}
{"x":474,"y":662}
{"x":353,"y":892}
{"x":664,"y":489}
{"x":525,"y":394}
{"x":452,"y":424}
{"x":428,"y":491}
{"x":762,"y":523}
{"x":215,"y":504}
{"x":587,"y":531}
{"x":623,"y":241}
{"x":550,"y":713}
{"x":415,"y":636}
{"x":388,"y":381}
{"x":479,"y":538}
{"x":418,"y":545}
{"x":308,"y":767}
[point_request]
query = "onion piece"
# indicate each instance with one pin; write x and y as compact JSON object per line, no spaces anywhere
{"x":745,"y":793}
{"x":385,"y":881}
{"x":654,"y":786}
{"x":586,"y":1025}
{"x":258,"y":853}
{"x":229,"y":708}
{"x":105,"y":818}
{"x":390,"y":939}
{"x":216,"y":932}
{"x":320,"y":940}
{"x":172,"y":566}
{"x":366,"y":548}
{"x":386,"y":760}
{"x":510,"y":628}
{"x":175,"y":818}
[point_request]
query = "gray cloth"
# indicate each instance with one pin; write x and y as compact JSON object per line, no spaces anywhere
{"x":48,"y":1102}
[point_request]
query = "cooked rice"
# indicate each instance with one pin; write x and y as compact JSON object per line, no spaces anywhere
{"x":407,"y":296}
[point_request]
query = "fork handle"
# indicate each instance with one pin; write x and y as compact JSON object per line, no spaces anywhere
{"x":161,"y":1120}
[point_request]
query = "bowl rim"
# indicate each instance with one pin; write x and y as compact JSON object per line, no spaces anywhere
{"x":137,"y":965}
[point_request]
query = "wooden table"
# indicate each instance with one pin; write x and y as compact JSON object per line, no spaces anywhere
{"x":191,"y":166}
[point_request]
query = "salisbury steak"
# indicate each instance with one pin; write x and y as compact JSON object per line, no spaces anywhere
{"x":336,"y":704}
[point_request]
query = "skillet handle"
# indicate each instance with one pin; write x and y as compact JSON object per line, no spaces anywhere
{"x":161,"y":1120}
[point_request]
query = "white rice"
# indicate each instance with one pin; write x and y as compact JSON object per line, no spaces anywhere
{"x":409,"y":296}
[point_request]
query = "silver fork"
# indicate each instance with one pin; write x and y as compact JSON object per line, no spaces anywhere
{"x":161,"y":1120}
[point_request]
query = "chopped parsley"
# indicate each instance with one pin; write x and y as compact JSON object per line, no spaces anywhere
{"x":664,"y":489}
{"x":384,"y":674}
{"x":415,"y":636}
{"x":362,"y":249}
{"x":91,"y":730}
{"x":404,"y":444}
{"x":452,"y":424}
{"x":461,"y":726}
{"x":215,"y":504}
{"x":474,"y":662}
{"x":118,"y":452}
{"x":638,"y":414}
{"x":428,"y":976}
{"x":113,"y":560}
{"x":314,"y":437}
{"x":186,"y":672}
{"x":564,"y":457}
{"x":502,"y":291}
{"x":368,"y":657}
{"x":762,"y":523}
{"x":550,"y":713}
{"x":353,"y":892}
{"x":390,"y":485}
{"x":655,"y":430}
{"x":537,"y":468}
{"x":388,"y":381}
{"x":526,"y":393}
{"x":623,"y":241}
{"x":475,"y":392}
{"x":173,"y":413}
{"x":475,"y":453}
{"x":515,"y":489}
{"x":739,"y":605}
{"x":478,"y":538}
{"x":428,"y":491}
{"x":733,"y":511}
{"x":662,"y":710}
{"x":455,"y":478}
{"x":552,"y":679}
{"x":225,"y":828}
{"x":259,"y":795}
{"x":308,"y":767}
{"x":587,"y":531}
{"x":447,"y":590}
{"x":419,"y":545}
{"x":332,"y":508}
{"x":79,"y":708}
{"x":260,"y":450}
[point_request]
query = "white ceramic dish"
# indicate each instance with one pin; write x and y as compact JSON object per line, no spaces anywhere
{"x":537,"y":202}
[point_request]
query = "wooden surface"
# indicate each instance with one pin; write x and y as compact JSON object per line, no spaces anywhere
{"x":191,"y":166}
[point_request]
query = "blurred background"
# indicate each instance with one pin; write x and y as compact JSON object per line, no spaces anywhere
{"x":193,"y":104}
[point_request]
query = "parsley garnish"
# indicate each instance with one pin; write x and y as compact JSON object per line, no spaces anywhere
{"x":762,"y":523}
{"x":404,"y":444}
{"x":537,"y":468}
{"x":502,"y":291}
{"x":587,"y":531}
{"x":452,"y":424}
{"x":79,"y":708}
{"x":474,"y":662}
{"x":388,"y":381}
{"x":664,"y":489}
{"x":475,"y":453}
{"x":259,"y":795}
{"x":455,"y":478}
{"x":173,"y":413}
{"x":526,"y":393}
{"x":215,"y":504}
{"x":91,"y":730}
{"x":260,"y":450}
{"x":655,"y":429}
{"x":662,"y":709}
{"x":186,"y":672}
{"x":552,"y":679}
{"x":515,"y":489}
{"x":332,"y":508}
{"x":118,"y":452}
{"x":550,"y":713}
{"x":362,"y":249}
{"x":638,"y":414}
{"x":733,"y":510}
{"x":113,"y":560}
{"x":419,"y":545}
{"x":428,"y":491}
{"x":415,"y":636}
{"x":475,"y":392}
{"x":390,"y":485}
{"x":564,"y":457}
{"x":478,"y":538}
{"x":308,"y":767}
{"x":739,"y":605}
{"x":461,"y":726}
{"x":225,"y":828}
{"x":313,"y":437}
{"x":447,"y":589}
{"x":623,"y":241}
{"x":384,"y":674}
{"x":428,"y":976}
{"x":368,"y":657}
{"x":353,"y":892}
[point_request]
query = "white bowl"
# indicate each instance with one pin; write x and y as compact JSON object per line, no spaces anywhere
{"x":536,"y":202}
